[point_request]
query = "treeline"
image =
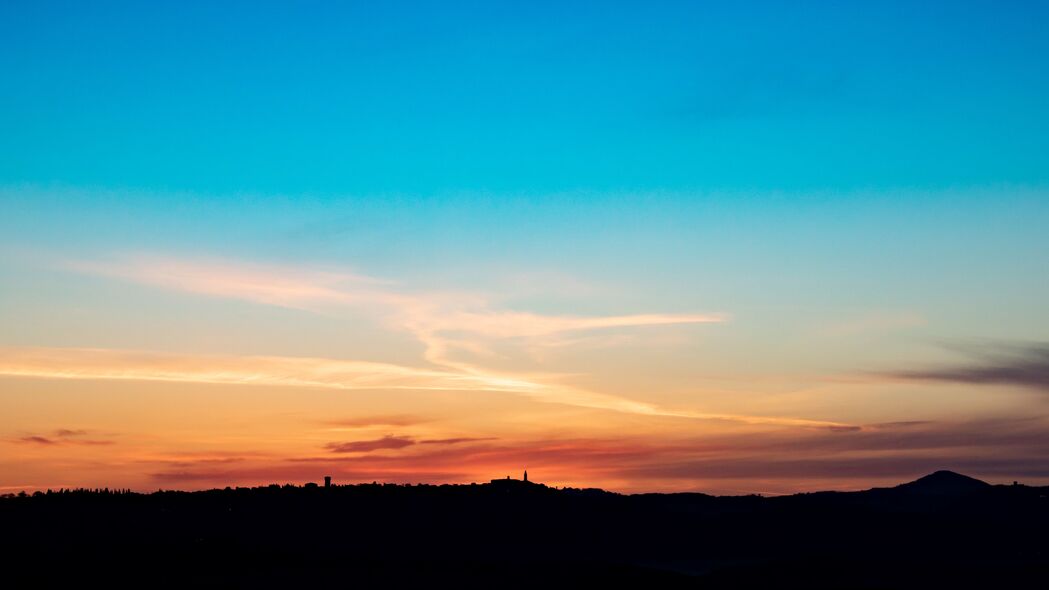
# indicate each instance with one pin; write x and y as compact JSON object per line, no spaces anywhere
{"x":288,"y":487}
{"x":72,"y":492}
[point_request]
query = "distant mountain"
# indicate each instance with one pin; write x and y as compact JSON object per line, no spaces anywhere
{"x":944,"y":482}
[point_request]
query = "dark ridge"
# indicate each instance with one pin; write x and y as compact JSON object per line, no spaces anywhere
{"x":510,"y":533}
{"x":945,"y":482}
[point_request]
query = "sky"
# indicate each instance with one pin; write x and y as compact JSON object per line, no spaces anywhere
{"x":653,"y":246}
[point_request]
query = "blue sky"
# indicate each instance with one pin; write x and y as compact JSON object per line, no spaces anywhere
{"x":429,"y":98}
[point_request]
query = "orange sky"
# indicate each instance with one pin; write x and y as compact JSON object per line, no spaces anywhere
{"x":142,"y":358}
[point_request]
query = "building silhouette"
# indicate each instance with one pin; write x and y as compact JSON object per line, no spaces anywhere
{"x":510,"y":483}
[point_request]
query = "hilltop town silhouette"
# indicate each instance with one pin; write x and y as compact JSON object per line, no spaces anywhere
{"x":942,"y":530}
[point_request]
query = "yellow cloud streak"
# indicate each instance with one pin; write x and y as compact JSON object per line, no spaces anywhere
{"x":91,"y":363}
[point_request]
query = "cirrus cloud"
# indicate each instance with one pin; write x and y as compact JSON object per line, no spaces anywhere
{"x":444,"y":322}
{"x":93,"y":363}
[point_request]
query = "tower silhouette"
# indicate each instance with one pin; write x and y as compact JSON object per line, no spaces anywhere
{"x":526,"y":475}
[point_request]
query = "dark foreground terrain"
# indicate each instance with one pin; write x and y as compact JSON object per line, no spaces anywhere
{"x":942,"y":531}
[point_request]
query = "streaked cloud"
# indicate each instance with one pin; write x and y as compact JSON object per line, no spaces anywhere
{"x":397,"y":442}
{"x":456,"y":329}
{"x":365,"y":446}
{"x":64,"y":432}
{"x":509,"y":324}
{"x":455,"y":441}
{"x":288,"y":286}
{"x":444,"y":322}
{"x":1024,"y":366}
{"x":92,"y":363}
{"x":37,"y":439}
{"x":60,"y":439}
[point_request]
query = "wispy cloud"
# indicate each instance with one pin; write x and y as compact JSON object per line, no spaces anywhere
{"x":289,"y":286}
{"x":37,"y":439}
{"x":1024,"y":366}
{"x":64,"y":432}
{"x":61,"y":437}
{"x":93,"y":363}
{"x":455,"y":441}
{"x":444,"y":322}
{"x":366,"y":446}
{"x":398,"y":442}
{"x":81,"y":363}
{"x":457,"y":331}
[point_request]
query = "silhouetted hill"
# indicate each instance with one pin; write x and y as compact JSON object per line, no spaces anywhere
{"x":517,"y":534}
{"x":944,"y":482}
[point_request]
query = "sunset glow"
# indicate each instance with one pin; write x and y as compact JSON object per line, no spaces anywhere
{"x":449,"y":244}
